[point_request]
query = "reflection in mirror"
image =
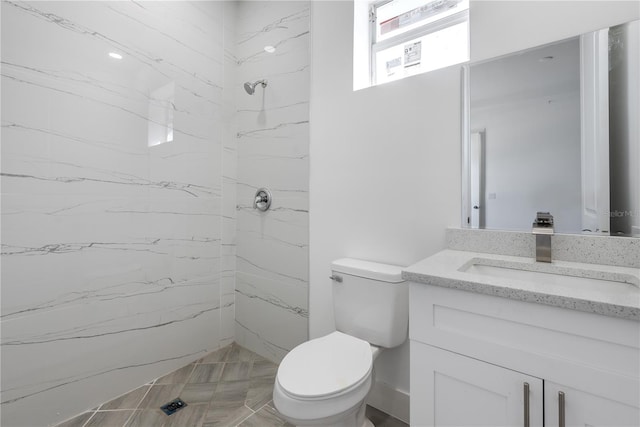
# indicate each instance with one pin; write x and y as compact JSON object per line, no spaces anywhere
{"x":556,"y":129}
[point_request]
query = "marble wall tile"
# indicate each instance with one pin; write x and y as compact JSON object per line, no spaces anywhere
{"x":110,"y":243}
{"x":271,"y":315}
{"x":272,"y":138}
{"x":274,"y":244}
{"x":229,"y":178}
{"x":118,"y":256}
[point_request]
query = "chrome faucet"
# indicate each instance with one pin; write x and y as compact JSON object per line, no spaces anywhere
{"x":543,"y":230}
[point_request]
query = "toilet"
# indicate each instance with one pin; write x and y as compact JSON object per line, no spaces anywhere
{"x":324,"y":381}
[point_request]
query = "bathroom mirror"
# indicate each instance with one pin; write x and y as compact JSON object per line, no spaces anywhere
{"x":555,"y":129}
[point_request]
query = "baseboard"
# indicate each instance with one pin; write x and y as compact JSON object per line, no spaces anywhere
{"x":387,"y":399}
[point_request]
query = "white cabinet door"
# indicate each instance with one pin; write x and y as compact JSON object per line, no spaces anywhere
{"x":448,"y":389}
{"x":587,"y":409}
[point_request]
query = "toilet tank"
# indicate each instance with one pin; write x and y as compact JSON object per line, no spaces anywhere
{"x":370,"y":301}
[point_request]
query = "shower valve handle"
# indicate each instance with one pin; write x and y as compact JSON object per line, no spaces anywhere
{"x":262,"y":199}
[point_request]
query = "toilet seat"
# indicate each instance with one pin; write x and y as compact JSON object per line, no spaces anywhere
{"x":325,"y":367}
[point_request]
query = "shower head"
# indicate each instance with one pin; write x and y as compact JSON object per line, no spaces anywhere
{"x":251,"y":87}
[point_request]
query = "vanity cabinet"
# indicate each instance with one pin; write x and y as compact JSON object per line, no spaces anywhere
{"x":471,"y":355}
{"x":583,"y":408}
{"x":460,"y":391}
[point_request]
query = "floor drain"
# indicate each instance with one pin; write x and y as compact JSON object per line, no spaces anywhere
{"x":173,"y":406}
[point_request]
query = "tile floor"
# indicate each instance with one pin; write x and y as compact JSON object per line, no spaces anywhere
{"x":229,"y":387}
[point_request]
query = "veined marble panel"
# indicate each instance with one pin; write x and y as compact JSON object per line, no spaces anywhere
{"x":229,"y":179}
{"x":271,"y":316}
{"x":275,"y":157}
{"x":104,"y":341}
{"x":274,"y":244}
{"x":273,"y":257}
{"x":54,"y":246}
{"x":286,"y":175}
{"x":117,"y":254}
{"x":124,"y":309}
{"x":287,"y":85}
{"x":152,"y":34}
{"x":287,"y":214}
{"x":280,"y":24}
{"x":227,"y":317}
{"x":273,"y":151}
{"x":42,"y":153}
{"x":282,"y":141}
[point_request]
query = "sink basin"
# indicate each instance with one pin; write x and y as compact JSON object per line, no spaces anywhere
{"x":551,"y":274}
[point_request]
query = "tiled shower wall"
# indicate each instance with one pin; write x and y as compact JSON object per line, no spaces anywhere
{"x":117,"y":254}
{"x":271,"y":311}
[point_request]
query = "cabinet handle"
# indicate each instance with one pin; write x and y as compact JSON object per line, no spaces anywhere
{"x":561,"y":409}
{"x":526,"y":404}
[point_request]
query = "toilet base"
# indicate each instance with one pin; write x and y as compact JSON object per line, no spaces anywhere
{"x":355,"y":418}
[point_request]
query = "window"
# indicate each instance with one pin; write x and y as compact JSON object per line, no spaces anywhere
{"x":409,"y":37}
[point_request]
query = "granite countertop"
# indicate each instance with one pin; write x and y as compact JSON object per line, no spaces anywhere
{"x":620,"y":299}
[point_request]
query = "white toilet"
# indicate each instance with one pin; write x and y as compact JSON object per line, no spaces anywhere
{"x":324,"y":381}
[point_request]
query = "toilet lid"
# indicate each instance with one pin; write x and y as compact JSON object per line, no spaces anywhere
{"x":325,"y":366}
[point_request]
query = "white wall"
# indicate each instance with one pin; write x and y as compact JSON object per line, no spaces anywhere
{"x":385,"y":173}
{"x":385,"y":161}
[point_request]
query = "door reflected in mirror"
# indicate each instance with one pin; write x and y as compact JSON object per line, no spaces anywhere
{"x":556,"y":129}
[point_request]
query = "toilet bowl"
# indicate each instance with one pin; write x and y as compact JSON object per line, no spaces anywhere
{"x":325,"y":381}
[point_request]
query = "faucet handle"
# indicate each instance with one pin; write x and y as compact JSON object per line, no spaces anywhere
{"x":544,"y":219}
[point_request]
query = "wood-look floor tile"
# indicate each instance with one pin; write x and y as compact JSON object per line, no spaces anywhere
{"x":207,"y":373}
{"x":179,"y":376}
{"x":217,"y":393}
{"x":382,"y":419}
{"x":158,"y":395}
{"x":263,"y":368}
{"x":147,"y":418}
{"x":239,"y":354}
{"x":267,"y":416}
{"x":231,"y":392}
{"x":126,"y":401}
{"x":225,"y":415}
{"x":78,"y":421}
{"x":191,"y":416}
{"x":236,"y":371}
{"x":198,"y":393}
{"x":110,"y":418}
{"x":217,"y":356}
{"x":260,"y":392}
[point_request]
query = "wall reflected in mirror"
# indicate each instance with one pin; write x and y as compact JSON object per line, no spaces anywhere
{"x":556,"y":129}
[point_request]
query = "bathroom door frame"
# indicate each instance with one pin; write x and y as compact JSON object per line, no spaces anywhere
{"x":477,"y":178}
{"x":468,"y":156}
{"x":594,"y":132}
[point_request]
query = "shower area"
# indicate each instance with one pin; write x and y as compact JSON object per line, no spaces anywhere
{"x":131,"y":154}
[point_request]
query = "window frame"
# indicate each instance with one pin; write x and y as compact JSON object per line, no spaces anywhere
{"x":420,"y":31}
